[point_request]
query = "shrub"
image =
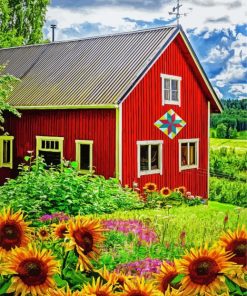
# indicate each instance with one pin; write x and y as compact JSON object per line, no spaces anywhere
{"x":40,"y":191}
{"x":226,"y":191}
{"x":221,"y":131}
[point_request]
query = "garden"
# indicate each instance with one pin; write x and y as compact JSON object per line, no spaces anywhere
{"x":66,"y":234}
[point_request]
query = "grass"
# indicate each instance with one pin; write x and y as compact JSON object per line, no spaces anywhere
{"x":201,"y":223}
{"x":240,"y":145}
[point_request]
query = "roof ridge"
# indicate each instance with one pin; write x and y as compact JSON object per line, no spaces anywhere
{"x":94,"y":37}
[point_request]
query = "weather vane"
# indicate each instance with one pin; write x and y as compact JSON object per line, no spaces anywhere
{"x":176,"y":11}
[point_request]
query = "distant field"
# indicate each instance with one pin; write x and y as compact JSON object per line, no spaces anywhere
{"x":240,"y":145}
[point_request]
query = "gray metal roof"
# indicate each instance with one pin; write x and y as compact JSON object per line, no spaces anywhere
{"x":90,"y":71}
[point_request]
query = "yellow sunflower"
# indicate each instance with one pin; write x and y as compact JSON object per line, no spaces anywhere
{"x":236,"y":242}
{"x":14,"y":231}
{"x":32,"y":270}
{"x":166,"y":275}
{"x":113,"y":277}
{"x":139,"y":287}
{"x":97,"y":288}
{"x":63,"y":292}
{"x":84,"y":237}
{"x":43,"y":233}
{"x":165,"y":191}
{"x":205,"y":270}
{"x":182,"y":189}
{"x":60,"y":230}
{"x":150,"y":187}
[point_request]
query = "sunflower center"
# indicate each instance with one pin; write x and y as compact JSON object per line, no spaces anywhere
{"x":85,"y":240}
{"x":62,"y":231}
{"x":203,"y":271}
{"x":32,"y":272}
{"x":10,"y":235}
{"x":240,"y":248}
{"x":43,"y":232}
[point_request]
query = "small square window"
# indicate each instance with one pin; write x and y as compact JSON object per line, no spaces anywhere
{"x":149,"y":157}
{"x":188,"y":154}
{"x":170,"y":89}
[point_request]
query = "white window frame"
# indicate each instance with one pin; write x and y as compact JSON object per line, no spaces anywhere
{"x":78,"y":158}
{"x":171,"y":77}
{"x":10,"y":163}
{"x":39,"y":140}
{"x":188,"y":141}
{"x":149,"y":171}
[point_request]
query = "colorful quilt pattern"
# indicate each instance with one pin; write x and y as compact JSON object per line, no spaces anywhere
{"x":170,"y":124}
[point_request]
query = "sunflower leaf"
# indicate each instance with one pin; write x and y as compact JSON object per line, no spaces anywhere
{"x":4,"y":287}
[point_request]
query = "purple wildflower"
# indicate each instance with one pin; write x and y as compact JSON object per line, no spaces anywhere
{"x":136,"y":227}
{"x":143,"y":268}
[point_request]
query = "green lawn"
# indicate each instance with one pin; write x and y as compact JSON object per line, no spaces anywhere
{"x":201,"y":223}
{"x":240,"y":145}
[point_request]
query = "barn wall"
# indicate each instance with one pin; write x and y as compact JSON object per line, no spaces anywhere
{"x":96,"y":125}
{"x":143,"y":107}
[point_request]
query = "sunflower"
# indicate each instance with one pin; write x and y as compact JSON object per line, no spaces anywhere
{"x":150,"y":187}
{"x":138,"y":287}
{"x":204,"y":271}
{"x":113,"y":277}
{"x":182,"y":190}
{"x":236,"y":242}
{"x":63,"y":292}
{"x":165,"y":191}
{"x":32,"y":270}
{"x":167,"y":273}
{"x":14,"y":231}
{"x":43,"y":233}
{"x":85,"y":235}
{"x":97,"y":288}
{"x":60,"y":230}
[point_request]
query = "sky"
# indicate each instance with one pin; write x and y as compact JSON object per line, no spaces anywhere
{"x":217,"y":30}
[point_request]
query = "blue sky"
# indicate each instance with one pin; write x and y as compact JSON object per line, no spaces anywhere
{"x":217,"y":30}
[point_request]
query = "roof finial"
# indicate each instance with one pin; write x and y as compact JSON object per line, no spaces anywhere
{"x":176,"y":11}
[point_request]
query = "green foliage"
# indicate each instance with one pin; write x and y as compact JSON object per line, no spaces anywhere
{"x":227,"y":163}
{"x":7,"y":83}
{"x":234,"y":116}
{"x":221,"y":130}
{"x":233,"y":133}
{"x":226,"y":191}
{"x":38,"y":190}
{"x":21,"y":22}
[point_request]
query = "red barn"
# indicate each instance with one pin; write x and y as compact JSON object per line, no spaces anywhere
{"x":134,"y":105}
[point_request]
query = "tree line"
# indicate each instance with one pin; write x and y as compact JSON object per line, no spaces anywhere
{"x":232,"y":120}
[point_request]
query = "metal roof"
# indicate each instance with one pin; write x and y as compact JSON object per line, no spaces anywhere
{"x":91,"y":71}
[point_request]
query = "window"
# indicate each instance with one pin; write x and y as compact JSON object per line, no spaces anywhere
{"x":50,"y":148}
{"x":149,"y":155}
{"x":6,"y":151}
{"x":84,"y":155}
{"x":170,"y":89}
{"x":188,"y":154}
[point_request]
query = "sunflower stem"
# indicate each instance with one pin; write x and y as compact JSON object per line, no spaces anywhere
{"x":64,"y":263}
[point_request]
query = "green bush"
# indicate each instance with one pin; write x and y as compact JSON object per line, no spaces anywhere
{"x":221,"y":131}
{"x":227,"y":163}
{"x":39,"y":191}
{"x":226,"y":191}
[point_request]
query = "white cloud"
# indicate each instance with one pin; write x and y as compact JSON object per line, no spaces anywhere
{"x":234,"y":70}
{"x":218,"y":93}
{"x":217,"y":54}
{"x":239,"y":90}
{"x":202,"y":18}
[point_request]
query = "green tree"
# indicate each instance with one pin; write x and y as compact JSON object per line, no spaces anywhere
{"x":7,"y":83}
{"x":233,"y":133}
{"x":21,"y":21}
{"x":221,"y":130}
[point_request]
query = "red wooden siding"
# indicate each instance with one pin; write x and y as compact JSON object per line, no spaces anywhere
{"x":96,"y":125}
{"x":143,"y":108}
